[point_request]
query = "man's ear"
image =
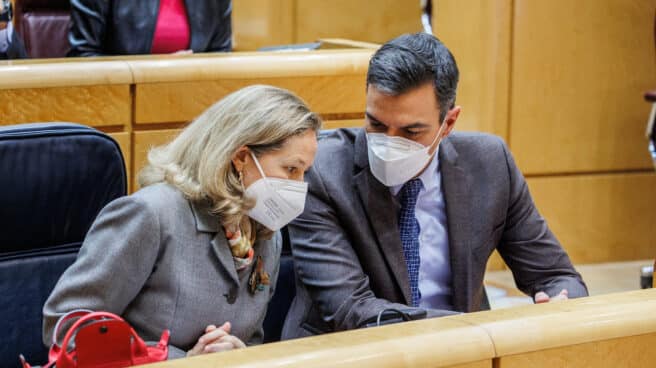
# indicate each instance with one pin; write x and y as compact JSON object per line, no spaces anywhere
{"x":240,"y":158}
{"x":450,"y":119}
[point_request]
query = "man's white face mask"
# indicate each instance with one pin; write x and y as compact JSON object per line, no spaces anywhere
{"x":277,"y":201}
{"x":395,"y":160}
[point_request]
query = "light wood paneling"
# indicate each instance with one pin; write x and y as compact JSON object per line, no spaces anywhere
{"x":478,"y":34}
{"x":251,"y":65}
{"x":481,"y":364}
{"x":633,"y":351}
{"x":348,"y":123}
{"x":181,"y":102}
{"x":538,"y":327}
{"x":124,"y":141}
{"x":259,"y":23}
{"x":579,"y":69}
{"x":437,"y":342}
{"x":90,"y":105}
{"x":495,"y":263}
{"x":359,"y":20}
{"x":143,"y":142}
{"x":42,"y":73}
{"x":600,"y":218}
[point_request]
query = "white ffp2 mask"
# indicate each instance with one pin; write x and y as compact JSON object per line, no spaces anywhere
{"x":277,"y":201}
{"x":395,"y":160}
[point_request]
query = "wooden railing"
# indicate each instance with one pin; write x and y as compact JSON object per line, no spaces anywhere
{"x":614,"y":330}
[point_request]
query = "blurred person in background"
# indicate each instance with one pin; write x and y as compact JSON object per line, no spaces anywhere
{"x":128,"y":27}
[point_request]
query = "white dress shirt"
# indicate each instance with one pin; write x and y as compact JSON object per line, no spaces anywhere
{"x":435,"y":266}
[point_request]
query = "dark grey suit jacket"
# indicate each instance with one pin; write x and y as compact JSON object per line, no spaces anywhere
{"x":347,"y":249}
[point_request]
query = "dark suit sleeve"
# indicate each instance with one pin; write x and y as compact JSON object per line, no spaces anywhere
{"x":328,"y":267}
{"x":530,"y":249}
{"x":88,"y":27}
{"x":222,"y":38}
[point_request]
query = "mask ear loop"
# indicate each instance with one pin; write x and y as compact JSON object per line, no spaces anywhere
{"x":438,"y":134}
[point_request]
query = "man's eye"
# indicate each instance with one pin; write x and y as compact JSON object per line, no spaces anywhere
{"x":412,"y":132}
{"x":375,"y":124}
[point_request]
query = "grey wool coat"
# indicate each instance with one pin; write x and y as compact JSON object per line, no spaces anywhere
{"x":347,"y":249}
{"x":163,"y":262}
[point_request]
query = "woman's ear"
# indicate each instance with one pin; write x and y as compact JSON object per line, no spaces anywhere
{"x":240,"y":158}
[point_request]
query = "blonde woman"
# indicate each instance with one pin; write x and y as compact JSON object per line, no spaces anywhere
{"x":196,"y":250}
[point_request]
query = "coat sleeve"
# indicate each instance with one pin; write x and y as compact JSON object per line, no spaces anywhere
{"x":328,"y":266}
{"x":116,"y":258}
{"x":222,"y":38}
{"x":532,"y":252}
{"x":88,"y":27}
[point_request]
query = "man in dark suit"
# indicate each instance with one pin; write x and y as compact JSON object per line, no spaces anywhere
{"x":390,"y":224}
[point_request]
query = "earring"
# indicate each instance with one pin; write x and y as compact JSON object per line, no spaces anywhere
{"x":241,"y":179}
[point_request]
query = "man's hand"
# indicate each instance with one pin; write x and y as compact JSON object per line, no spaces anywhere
{"x":216,"y":339}
{"x":542,"y":297}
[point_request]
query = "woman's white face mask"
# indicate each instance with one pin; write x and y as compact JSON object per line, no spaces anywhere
{"x":277,"y":201}
{"x":396,"y":160}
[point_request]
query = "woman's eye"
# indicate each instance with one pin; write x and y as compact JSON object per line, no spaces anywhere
{"x":292,"y":170}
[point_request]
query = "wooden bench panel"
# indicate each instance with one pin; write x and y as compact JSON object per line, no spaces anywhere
{"x":143,"y":142}
{"x":632,"y":351}
{"x":600,"y":218}
{"x":101,"y":105}
{"x":576,"y":88}
{"x":183,"y":101}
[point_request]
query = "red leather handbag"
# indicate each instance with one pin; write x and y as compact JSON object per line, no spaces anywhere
{"x":102,"y":339}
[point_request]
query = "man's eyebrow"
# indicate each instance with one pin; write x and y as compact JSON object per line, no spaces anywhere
{"x":415,"y":125}
{"x":374,"y":119}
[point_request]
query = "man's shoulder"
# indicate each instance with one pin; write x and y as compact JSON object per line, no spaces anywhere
{"x":477,"y":144}
{"x":337,"y":146}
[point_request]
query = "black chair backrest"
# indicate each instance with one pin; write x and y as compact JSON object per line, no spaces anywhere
{"x":54,"y":180}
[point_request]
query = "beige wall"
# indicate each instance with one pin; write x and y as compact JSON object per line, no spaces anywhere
{"x":562,"y":82}
{"x":258,"y":23}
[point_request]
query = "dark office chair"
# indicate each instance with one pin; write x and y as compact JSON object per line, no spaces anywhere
{"x":43,"y":24}
{"x":54,"y":179}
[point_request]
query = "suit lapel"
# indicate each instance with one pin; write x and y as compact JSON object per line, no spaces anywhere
{"x":382,"y":211}
{"x":456,"y":183}
{"x":208,"y":223}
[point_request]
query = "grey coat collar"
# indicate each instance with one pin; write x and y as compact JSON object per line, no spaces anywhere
{"x":205,"y":221}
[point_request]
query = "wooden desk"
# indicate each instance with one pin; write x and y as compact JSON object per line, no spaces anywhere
{"x":609,"y":330}
{"x":602,"y":278}
{"x":144,"y":100}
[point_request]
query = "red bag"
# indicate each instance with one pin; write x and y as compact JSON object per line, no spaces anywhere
{"x":102,"y":339}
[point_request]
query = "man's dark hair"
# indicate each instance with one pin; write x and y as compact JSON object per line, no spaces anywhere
{"x":411,"y":60}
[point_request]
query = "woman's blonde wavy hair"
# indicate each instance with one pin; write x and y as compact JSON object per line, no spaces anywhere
{"x":198,"y":162}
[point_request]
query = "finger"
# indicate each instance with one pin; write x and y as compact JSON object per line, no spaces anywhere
{"x":210,"y":328}
{"x":541,"y":297}
{"x":212,"y":336}
{"x":234,"y":340}
{"x":560,"y":297}
{"x":197,"y":349}
{"x":217,"y":347}
{"x":226,"y":327}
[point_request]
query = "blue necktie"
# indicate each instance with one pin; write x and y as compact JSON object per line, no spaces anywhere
{"x":409,"y":230}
